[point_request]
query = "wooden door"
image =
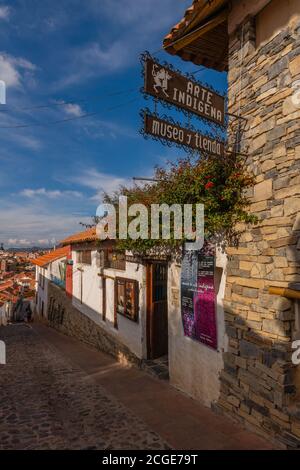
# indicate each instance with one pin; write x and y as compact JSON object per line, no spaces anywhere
{"x":157,"y":310}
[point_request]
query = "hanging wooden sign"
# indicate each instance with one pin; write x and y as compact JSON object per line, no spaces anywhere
{"x":169,"y":131}
{"x":170,"y":86}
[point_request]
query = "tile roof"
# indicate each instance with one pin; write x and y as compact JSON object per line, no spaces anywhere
{"x":80,"y":237}
{"x":208,"y":49}
{"x":6,"y":285}
{"x":51,"y":256}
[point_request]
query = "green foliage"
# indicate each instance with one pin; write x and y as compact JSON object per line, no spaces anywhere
{"x":217,"y":183}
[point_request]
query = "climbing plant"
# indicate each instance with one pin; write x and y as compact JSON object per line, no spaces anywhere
{"x":219,"y":184}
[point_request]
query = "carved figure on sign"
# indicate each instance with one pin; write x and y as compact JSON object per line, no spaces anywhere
{"x":161,"y":79}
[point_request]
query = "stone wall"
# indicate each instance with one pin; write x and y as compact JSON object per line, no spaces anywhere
{"x":258,"y":384}
{"x":64,"y":317}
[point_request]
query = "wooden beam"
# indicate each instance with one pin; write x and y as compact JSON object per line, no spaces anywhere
{"x":200,"y":31}
{"x":285,"y":292}
{"x":204,"y":10}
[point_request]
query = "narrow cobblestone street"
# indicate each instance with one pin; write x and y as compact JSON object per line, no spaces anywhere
{"x":55,"y":393}
{"x":46,"y":403}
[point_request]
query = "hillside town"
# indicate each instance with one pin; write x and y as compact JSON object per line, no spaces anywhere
{"x":170,"y":320}
{"x":17,"y":284}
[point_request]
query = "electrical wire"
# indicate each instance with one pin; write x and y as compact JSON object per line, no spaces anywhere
{"x":74,"y":102}
{"x":71,"y":102}
{"x":74,"y":118}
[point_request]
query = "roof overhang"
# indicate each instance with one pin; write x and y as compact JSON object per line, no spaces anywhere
{"x":201,"y":36}
{"x":44,"y":260}
{"x":88,"y":235}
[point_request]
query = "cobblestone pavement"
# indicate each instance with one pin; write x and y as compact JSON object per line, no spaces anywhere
{"x":47,"y":403}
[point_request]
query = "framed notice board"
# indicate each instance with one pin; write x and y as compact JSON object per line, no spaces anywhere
{"x":198,"y":295}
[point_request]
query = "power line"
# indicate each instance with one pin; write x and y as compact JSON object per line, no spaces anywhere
{"x":82,"y":116}
{"x":86,"y":100}
{"x":74,"y":102}
{"x":71,"y":102}
{"x":60,"y":121}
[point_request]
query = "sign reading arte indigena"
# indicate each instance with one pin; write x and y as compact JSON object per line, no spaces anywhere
{"x":198,"y":297}
{"x":172,"y":132}
{"x":174,"y":88}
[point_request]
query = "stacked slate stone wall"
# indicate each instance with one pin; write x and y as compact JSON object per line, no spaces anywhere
{"x":64,"y":317}
{"x":259,"y":381}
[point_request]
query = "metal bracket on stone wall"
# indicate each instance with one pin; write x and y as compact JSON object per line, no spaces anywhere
{"x":236,"y":126}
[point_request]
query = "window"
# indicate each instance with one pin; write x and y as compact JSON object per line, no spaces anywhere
{"x":127,"y":293}
{"x":84,"y":257}
{"x":113,"y":259}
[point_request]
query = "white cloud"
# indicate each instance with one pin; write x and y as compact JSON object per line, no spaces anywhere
{"x":95,"y":60}
{"x":51,"y":194}
{"x":13,"y":69}
{"x":143,"y":15}
{"x":15,"y":242}
{"x":27,"y":142}
{"x":44,"y":242}
{"x":73,"y":109}
{"x":135,"y":26}
{"x":24,"y":242}
{"x":99,"y":129}
{"x":4,"y":12}
{"x":35,"y":222}
{"x":100,"y":182}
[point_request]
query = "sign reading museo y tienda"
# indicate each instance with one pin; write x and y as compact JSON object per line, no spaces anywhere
{"x":198,"y":297}
{"x":168,"y":85}
{"x":172,"y":132}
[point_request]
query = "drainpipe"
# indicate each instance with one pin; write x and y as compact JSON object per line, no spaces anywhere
{"x":285,"y":292}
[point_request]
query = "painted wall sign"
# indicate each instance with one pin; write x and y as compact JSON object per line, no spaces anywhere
{"x":198,"y":297}
{"x":172,"y":132}
{"x":170,"y":86}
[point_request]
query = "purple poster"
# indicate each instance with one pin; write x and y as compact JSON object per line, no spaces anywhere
{"x":198,"y":303}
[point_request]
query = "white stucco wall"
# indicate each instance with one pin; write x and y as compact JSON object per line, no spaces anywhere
{"x":195,"y":368}
{"x":42,"y":292}
{"x":53,"y":268}
{"x":132,"y":334}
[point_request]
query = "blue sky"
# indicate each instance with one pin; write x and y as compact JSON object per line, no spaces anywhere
{"x":70,"y":51}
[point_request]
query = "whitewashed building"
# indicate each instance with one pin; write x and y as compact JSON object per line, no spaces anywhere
{"x":49,"y":268}
{"x":131,"y":308}
{"x":109,"y":288}
{"x":137,"y":304}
